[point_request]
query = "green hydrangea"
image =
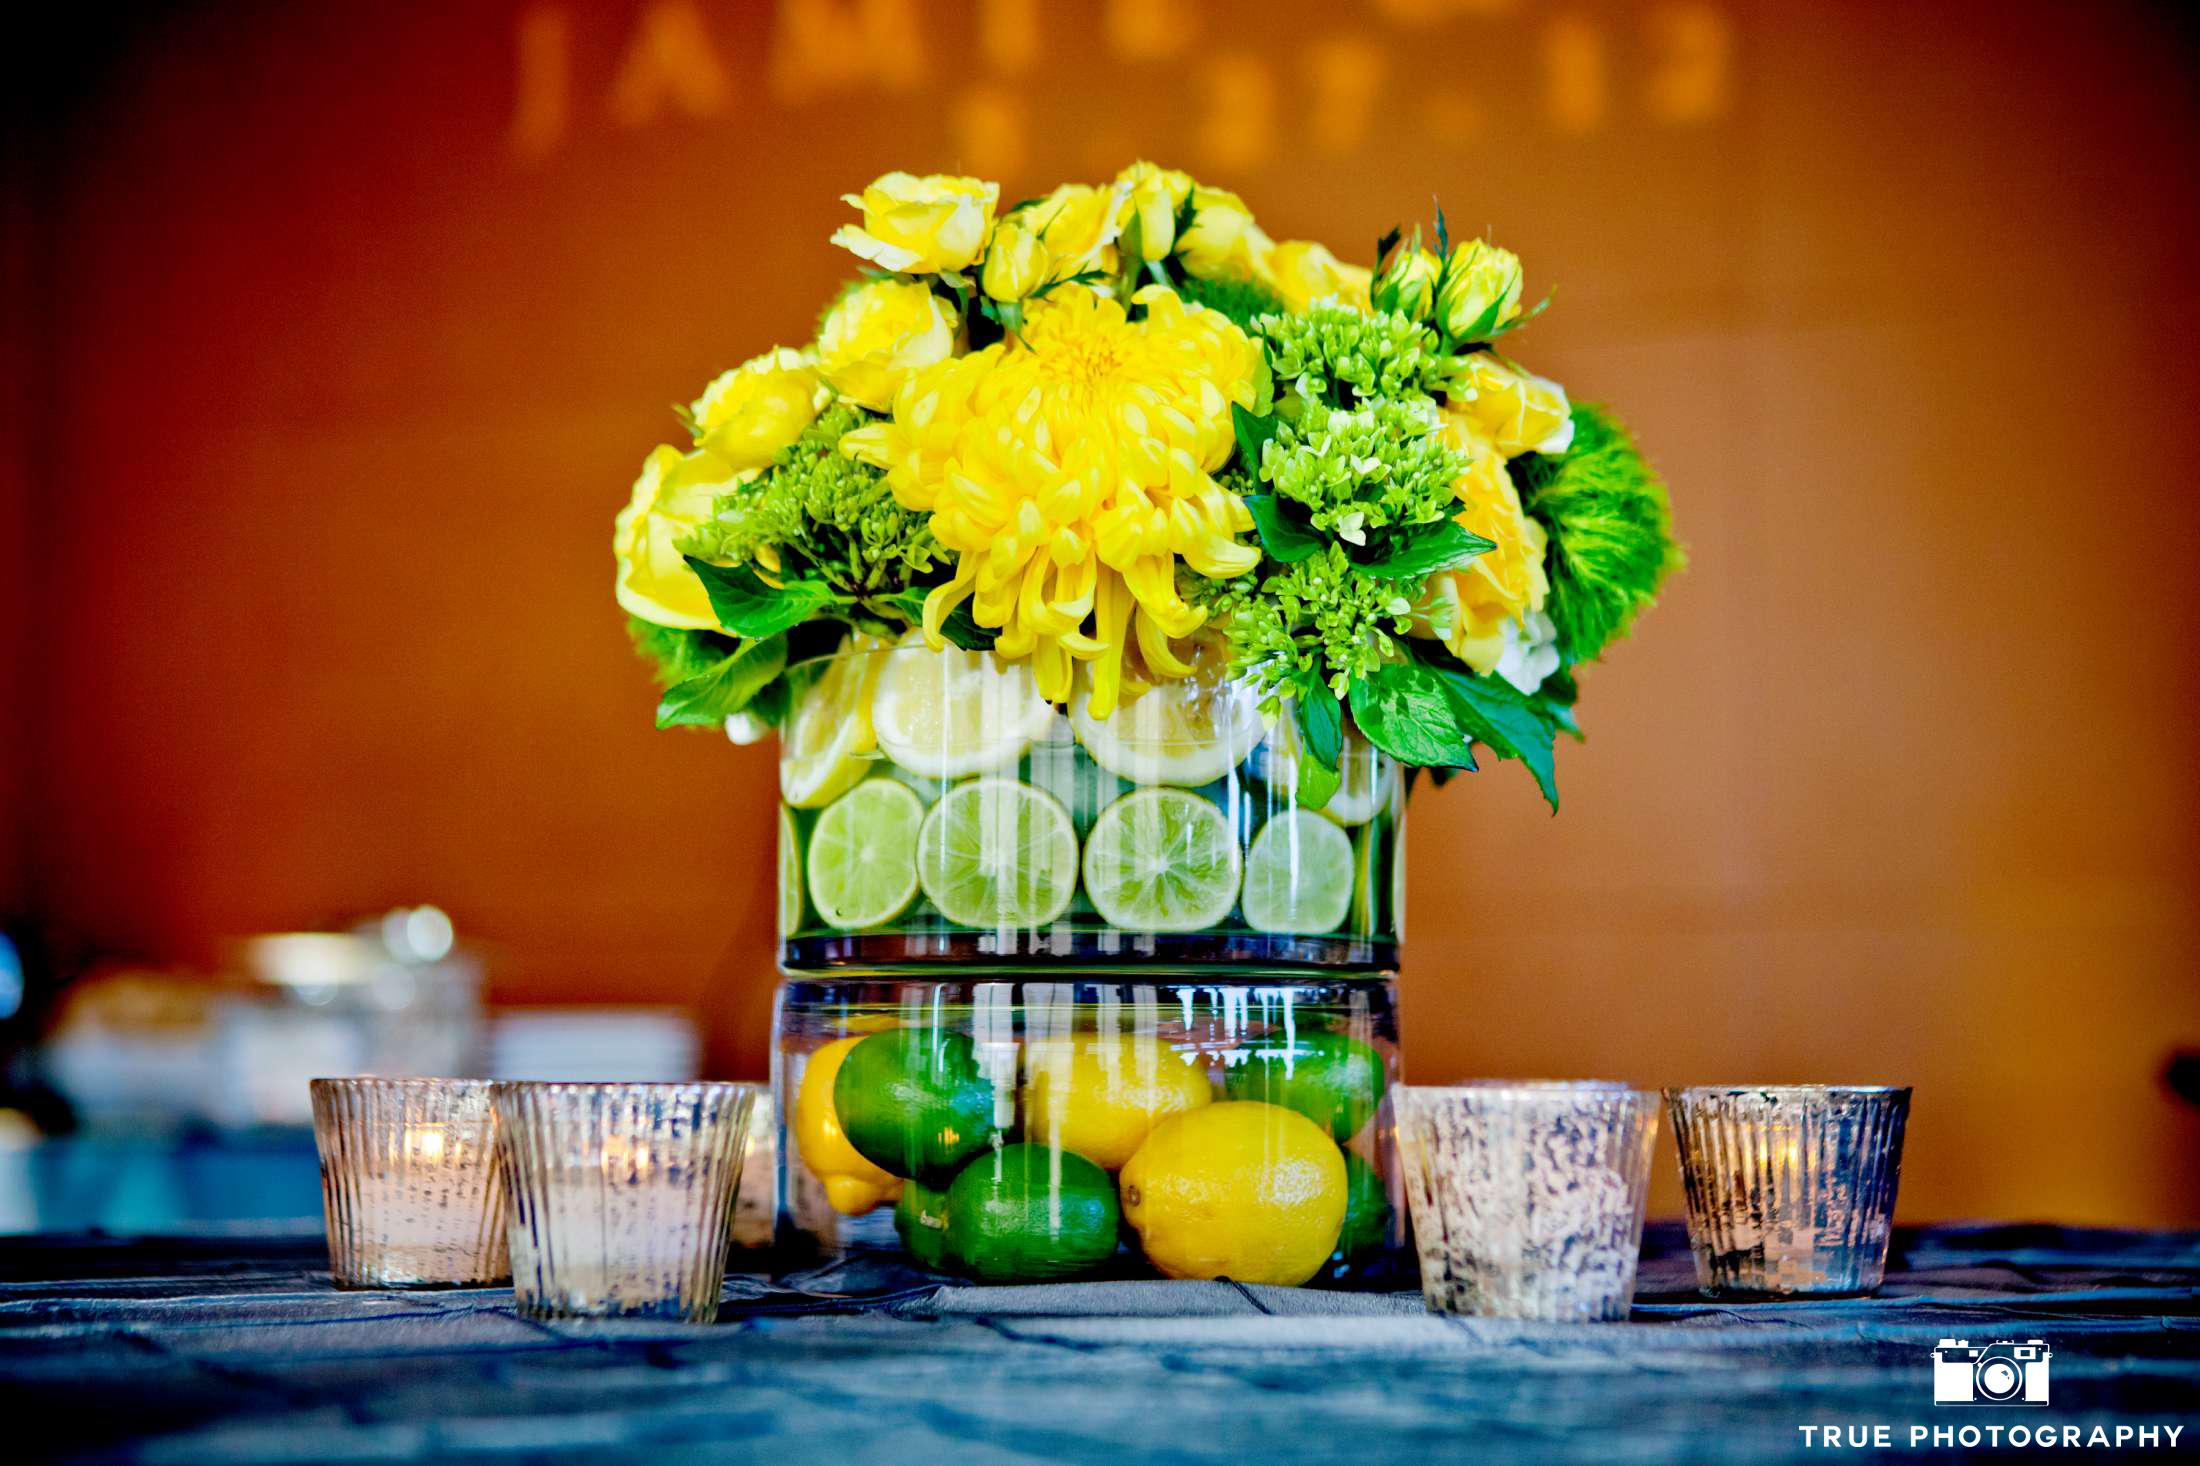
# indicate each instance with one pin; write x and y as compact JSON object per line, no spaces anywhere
{"x":1364,"y":468}
{"x":1319,"y":623}
{"x":824,"y":515}
{"x":1335,"y":353}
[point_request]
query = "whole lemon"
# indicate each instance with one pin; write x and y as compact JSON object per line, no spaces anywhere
{"x":853,"y":1185}
{"x":1099,"y":1097}
{"x":1242,"y":1189}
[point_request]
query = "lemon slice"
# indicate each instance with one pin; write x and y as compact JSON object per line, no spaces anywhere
{"x":1368,"y":778}
{"x":1298,"y":875}
{"x":1187,"y":733}
{"x":950,"y":713}
{"x":1162,"y":860}
{"x":863,"y":855}
{"x":823,"y":749}
{"x":996,"y":853}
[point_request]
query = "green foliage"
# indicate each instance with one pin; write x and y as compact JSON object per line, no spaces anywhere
{"x":1333,"y":353}
{"x":1611,"y":531}
{"x":1241,"y":300}
{"x":1508,"y":722}
{"x":825,"y":517}
{"x":675,"y":655}
{"x":1354,"y":470}
{"x":1405,"y":710}
{"x":707,"y":700}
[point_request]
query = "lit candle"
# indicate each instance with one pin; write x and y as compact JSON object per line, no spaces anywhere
{"x":410,"y":1177}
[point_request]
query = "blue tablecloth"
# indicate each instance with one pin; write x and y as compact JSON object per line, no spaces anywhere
{"x":237,"y":1349}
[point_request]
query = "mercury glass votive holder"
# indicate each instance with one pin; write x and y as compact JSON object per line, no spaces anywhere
{"x":622,"y":1195}
{"x":411,"y":1181}
{"x":1790,"y":1187}
{"x":1527,"y":1199}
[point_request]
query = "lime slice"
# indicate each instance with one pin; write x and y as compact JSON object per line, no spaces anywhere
{"x":1367,"y":777}
{"x":1298,"y":875}
{"x":822,"y":750}
{"x":863,"y":855}
{"x":1187,"y":733}
{"x":1162,"y":860}
{"x":950,"y":713}
{"x":790,"y":874}
{"x":1367,"y":849}
{"x":996,"y":853}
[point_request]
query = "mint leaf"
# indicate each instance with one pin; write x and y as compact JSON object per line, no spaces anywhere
{"x":1427,"y":548}
{"x":1253,"y":434}
{"x":1321,"y":725}
{"x":1505,"y":720}
{"x":1406,"y":712}
{"x":1318,"y":784}
{"x":727,"y":688}
{"x":1285,"y":539}
{"x":960,"y":627}
{"x":746,"y":606}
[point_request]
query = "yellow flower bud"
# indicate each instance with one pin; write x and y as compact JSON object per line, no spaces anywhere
{"x":1222,"y":240}
{"x":880,"y":333}
{"x":1147,"y":199}
{"x":917,"y":225}
{"x":748,"y":414}
{"x":1480,"y":291}
{"x":1406,"y":282}
{"x":1078,"y":225}
{"x":1303,"y":272}
{"x":674,"y":495}
{"x":1015,"y":264}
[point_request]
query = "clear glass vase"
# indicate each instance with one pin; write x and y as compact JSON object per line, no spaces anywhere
{"x":938,"y":814}
{"x":1019,"y":1131}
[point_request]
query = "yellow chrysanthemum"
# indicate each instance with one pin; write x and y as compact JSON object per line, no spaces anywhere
{"x":1068,"y":469}
{"x":1467,"y":608}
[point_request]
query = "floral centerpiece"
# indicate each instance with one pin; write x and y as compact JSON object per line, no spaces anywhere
{"x":1116,"y":430}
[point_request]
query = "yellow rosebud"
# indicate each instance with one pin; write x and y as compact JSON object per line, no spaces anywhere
{"x":1406,"y":282}
{"x":1480,"y":291}
{"x":878,"y":334}
{"x":748,"y":414}
{"x":1016,"y":262}
{"x":917,"y":225}
{"x":1222,"y":241}
{"x":1516,"y":410}
{"x":673,"y":497}
{"x":1303,"y":272}
{"x":1078,"y":225}
{"x":1147,"y":199}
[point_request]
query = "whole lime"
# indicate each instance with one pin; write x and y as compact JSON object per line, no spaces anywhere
{"x":913,"y":1102}
{"x":1366,"y":1208}
{"x":1028,"y":1213}
{"x":921,"y":1219}
{"x":1333,"y":1079}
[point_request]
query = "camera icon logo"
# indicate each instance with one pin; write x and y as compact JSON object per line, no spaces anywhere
{"x":2001,"y":1373}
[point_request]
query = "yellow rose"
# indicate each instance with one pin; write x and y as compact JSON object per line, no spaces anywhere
{"x":1480,"y":292}
{"x":1469,"y":608}
{"x":917,"y":225}
{"x":1406,"y":282}
{"x":672,"y":498}
{"x":748,"y":414}
{"x":1516,"y":410}
{"x":1078,"y":225}
{"x":1303,"y":272}
{"x":1148,"y":197}
{"x":1222,"y":241}
{"x":1016,"y":263}
{"x":878,"y":334}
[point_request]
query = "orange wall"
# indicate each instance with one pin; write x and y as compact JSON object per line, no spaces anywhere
{"x":363,"y":319}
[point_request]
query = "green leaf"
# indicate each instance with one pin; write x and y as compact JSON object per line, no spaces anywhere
{"x":746,"y":606}
{"x":960,"y":627}
{"x":1404,"y":711}
{"x":1427,"y":548}
{"x":1253,"y":433}
{"x":1505,"y":720}
{"x":1443,"y":235}
{"x":1321,"y":725}
{"x":1285,"y":539}
{"x":727,"y":688}
{"x":772,"y":701}
{"x":1318,"y":784}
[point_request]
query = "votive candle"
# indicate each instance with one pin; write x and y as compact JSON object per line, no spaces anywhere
{"x":411,"y":1182}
